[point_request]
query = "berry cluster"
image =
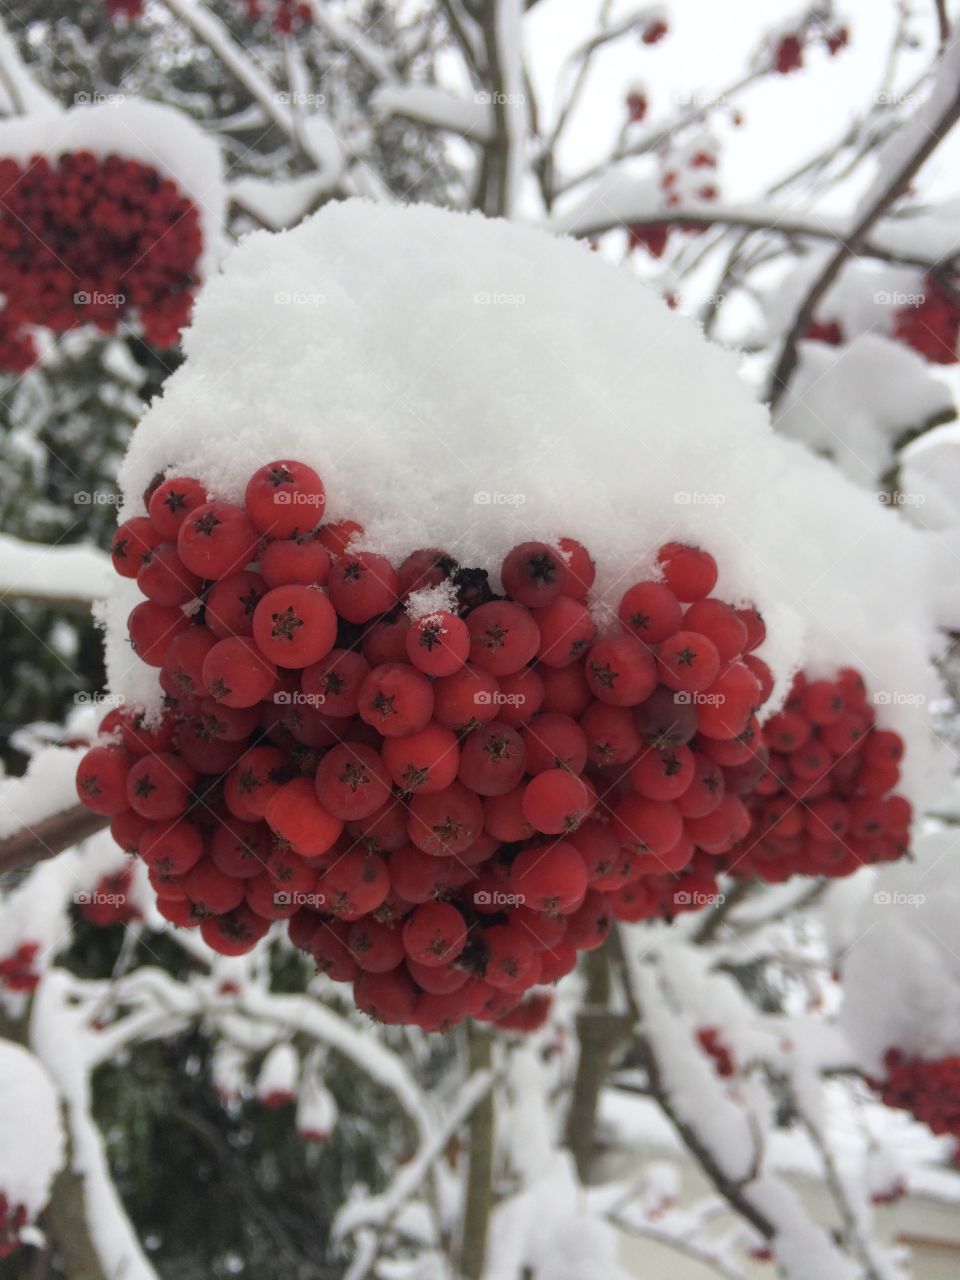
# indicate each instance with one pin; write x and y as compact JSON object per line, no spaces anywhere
{"x":89,"y":239}
{"x":445,"y":805}
{"x":110,"y":901}
{"x":711,"y":1042}
{"x":929,"y":1090}
{"x":822,"y":782}
{"x":13,"y":1219}
{"x":285,"y":16}
{"x":789,"y":48}
{"x":932,"y":327}
{"x":18,"y":971}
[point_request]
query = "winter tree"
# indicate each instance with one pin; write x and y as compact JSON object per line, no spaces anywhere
{"x":478,"y":559}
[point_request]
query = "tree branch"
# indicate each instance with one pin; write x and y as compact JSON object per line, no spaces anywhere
{"x":478,"y":1190}
{"x":929,"y":136}
{"x":47,"y":838}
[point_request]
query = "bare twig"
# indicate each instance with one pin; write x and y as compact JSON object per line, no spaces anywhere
{"x":48,"y":837}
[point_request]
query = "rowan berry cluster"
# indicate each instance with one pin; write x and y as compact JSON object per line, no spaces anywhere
{"x":18,"y":970}
{"x":711,"y":1042}
{"x":929,"y":1090}
{"x":932,"y":326}
{"x":93,"y":240}
{"x":285,"y":16}
{"x":13,"y":1219}
{"x":789,"y":49}
{"x":823,"y":781}
{"x":446,"y":804}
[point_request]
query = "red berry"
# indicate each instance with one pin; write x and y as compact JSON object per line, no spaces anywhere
{"x":235,"y":933}
{"x":438,"y":644}
{"x":581,"y":571}
{"x":152,"y":627}
{"x":355,"y":884}
{"x":719,"y":623}
{"x":131,"y":543}
{"x":467,"y":698}
{"x":662,"y":774}
{"x":520,"y":697}
{"x":295,"y":813}
{"x":295,"y":560}
{"x":236,"y":673}
{"x":554,"y":742}
{"x":362,"y":586}
{"x":688,"y":662}
{"x":729,"y":703}
{"x":565,"y":690}
{"x":503,"y":637}
{"x":335,"y":681}
{"x":102,"y":780}
{"x":621,"y":671}
{"x":378,"y":948}
{"x":336,"y":537}
{"x":551,"y":878}
{"x":650,"y":611}
{"x":689,"y":572}
{"x":295,"y":626}
{"x":211,"y":890}
{"x":253,"y":781}
{"x":556,"y":801}
{"x":216,"y":539}
{"x":533,"y":574}
{"x":396,"y":700}
{"x":386,"y":997}
{"x":231,"y":603}
{"x":434,"y":934}
{"x":649,"y":826}
{"x":492,"y":759}
{"x":445,"y":823}
{"x":183,"y":661}
{"x":241,"y":849}
{"x":352,"y":781}
{"x":284,"y":497}
{"x":611,"y":733}
{"x":428,"y":567}
{"x":159,"y":786}
{"x":510,"y":956}
{"x":566,"y":631}
{"x":172,"y":501}
{"x":423,"y":762}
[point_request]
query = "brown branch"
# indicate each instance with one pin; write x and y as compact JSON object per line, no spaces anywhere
{"x":854,"y":244}
{"x":48,"y":837}
{"x":478,"y":1195}
{"x":598,"y":1032}
{"x":731,"y":1190}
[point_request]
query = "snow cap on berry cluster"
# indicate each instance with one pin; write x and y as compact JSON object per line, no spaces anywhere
{"x":153,"y":134}
{"x":472,"y":384}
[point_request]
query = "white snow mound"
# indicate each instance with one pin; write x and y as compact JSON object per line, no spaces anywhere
{"x":468,"y":383}
{"x":31,"y":1136}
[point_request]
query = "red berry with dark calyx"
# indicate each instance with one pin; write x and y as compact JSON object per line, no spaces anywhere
{"x":503,"y":637}
{"x":283,"y":498}
{"x":689,"y":572}
{"x":295,"y":626}
{"x":621,"y":671}
{"x":216,"y":539}
{"x":172,"y":501}
{"x":534,"y":574}
{"x":396,"y":700}
{"x":303,"y":561}
{"x":362,"y":586}
{"x":236,"y":673}
{"x":352,"y":781}
{"x":131,"y":544}
{"x":438,"y":644}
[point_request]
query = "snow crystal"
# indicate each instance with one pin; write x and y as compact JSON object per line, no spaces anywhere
{"x":469,"y":383}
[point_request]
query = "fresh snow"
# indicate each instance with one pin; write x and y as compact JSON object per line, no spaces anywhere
{"x":32,"y":1143}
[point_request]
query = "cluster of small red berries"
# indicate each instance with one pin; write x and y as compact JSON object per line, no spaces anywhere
{"x":283,"y":15}
{"x":110,"y":901}
{"x":710,"y":1041}
{"x":446,"y":806}
{"x":824,"y":775}
{"x":18,"y":971}
{"x":789,"y":50}
{"x":929,"y":1090}
{"x":90,"y":239}
{"x":932,"y":327}
{"x":13,"y":1219}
